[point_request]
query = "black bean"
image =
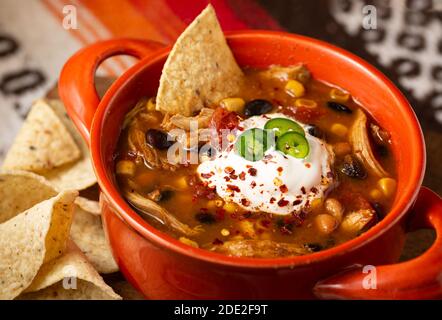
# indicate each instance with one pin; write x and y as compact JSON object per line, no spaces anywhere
{"x":353,"y":168}
{"x":315,"y":131}
{"x":338,"y":107}
{"x":257,"y":107}
{"x":166,"y":195}
{"x":158,"y":139}
{"x":205,"y":217}
{"x":378,"y":208}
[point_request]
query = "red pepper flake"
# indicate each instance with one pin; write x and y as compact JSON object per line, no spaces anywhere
{"x":297,"y":202}
{"x":252,"y":172}
{"x":314,"y":190}
{"x":220,"y":214}
{"x":272,"y":200}
{"x":279,"y":169}
{"x":282,"y":202}
{"x":233,"y":176}
{"x":308,"y":165}
{"x":229,"y":170}
{"x":233,"y":188}
{"x":253,"y":184}
{"x":206,"y":175}
{"x":266,"y":223}
{"x":201,"y":189}
{"x":245,"y":202}
{"x":248,"y":166}
{"x":283,"y":188}
{"x":303,"y":190}
{"x":227,"y":178}
{"x":217,"y":242}
{"x":242,"y":176}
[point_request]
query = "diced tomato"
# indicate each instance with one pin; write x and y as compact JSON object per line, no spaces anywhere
{"x":223,"y":119}
{"x":303,"y":114}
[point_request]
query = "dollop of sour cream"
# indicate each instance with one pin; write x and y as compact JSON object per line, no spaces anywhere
{"x":278,"y":183}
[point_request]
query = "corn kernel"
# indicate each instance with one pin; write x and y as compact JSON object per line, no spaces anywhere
{"x":225,"y":232}
{"x":375,"y":194}
{"x":339,"y":129}
{"x":306,"y":103}
{"x":125,"y":167}
{"x":339,"y":95}
{"x":189,"y":242}
{"x":230,"y":137}
{"x":181,"y":183}
{"x":387,"y":186}
{"x":151,"y":105}
{"x":295,"y":88}
{"x":277,"y":182}
{"x":316,"y":203}
{"x":233,"y":104}
{"x":247,"y":228}
{"x":230,"y":207}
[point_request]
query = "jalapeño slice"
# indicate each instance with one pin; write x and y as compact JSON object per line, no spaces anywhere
{"x":253,"y":143}
{"x":293,"y":144}
{"x":282,"y":125}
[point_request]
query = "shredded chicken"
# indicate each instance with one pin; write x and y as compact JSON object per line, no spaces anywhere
{"x":361,"y":145}
{"x":152,"y":209}
{"x":297,"y":72}
{"x":358,"y":221}
{"x":137,"y":143}
{"x":183,"y":122}
{"x":130,"y":116}
{"x":260,"y":249}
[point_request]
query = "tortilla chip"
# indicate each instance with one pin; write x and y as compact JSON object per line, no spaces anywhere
{"x":76,"y":174}
{"x":70,"y":276}
{"x":87,"y":232}
{"x":42,"y":144}
{"x":80,"y":174}
{"x":125,"y":289}
{"x":90,"y":206}
{"x":32,"y":238}
{"x":21,"y":190}
{"x":200,"y":69}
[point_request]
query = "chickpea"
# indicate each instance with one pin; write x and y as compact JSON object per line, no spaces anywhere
{"x":325,"y":223}
{"x":334,"y":208}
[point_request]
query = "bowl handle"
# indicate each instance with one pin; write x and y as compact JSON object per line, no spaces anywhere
{"x":76,"y":85}
{"x":419,"y":278}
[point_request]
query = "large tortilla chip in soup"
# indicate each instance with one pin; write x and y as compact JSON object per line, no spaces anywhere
{"x":200,"y":69}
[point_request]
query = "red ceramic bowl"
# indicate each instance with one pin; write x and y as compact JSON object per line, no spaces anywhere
{"x":164,"y":268}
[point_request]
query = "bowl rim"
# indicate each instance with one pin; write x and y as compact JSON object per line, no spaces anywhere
{"x":162,"y":240}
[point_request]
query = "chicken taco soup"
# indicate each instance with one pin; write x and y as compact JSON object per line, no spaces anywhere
{"x":252,"y":162}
